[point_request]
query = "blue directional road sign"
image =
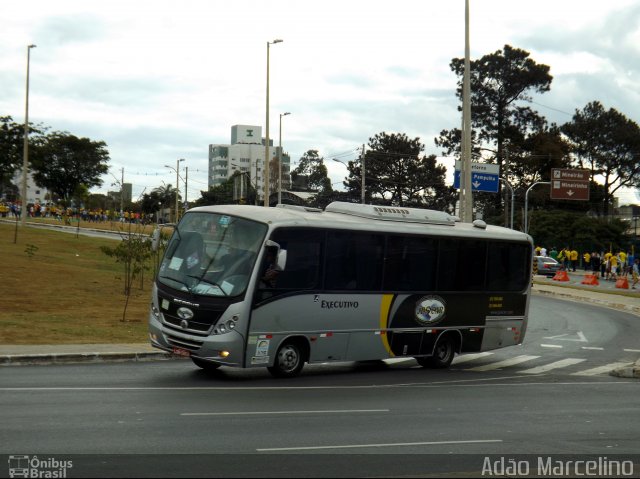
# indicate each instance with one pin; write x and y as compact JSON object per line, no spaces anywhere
{"x":484,"y":177}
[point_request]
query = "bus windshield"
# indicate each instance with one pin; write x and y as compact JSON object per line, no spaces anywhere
{"x":212,"y":254}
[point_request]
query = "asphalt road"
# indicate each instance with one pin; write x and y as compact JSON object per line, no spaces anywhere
{"x":167,"y":418}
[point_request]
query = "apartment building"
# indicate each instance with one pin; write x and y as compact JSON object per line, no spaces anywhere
{"x":245,"y":154}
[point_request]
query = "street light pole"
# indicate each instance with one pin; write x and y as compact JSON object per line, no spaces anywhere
{"x":362,"y":178}
{"x":526,"y":203}
{"x":280,"y":160}
{"x":25,"y":157}
{"x":512,"y":197}
{"x":266,"y":146}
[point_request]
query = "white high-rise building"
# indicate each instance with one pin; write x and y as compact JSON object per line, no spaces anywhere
{"x":246,"y":155}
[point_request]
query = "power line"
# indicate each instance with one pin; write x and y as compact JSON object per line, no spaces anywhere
{"x":548,"y":107}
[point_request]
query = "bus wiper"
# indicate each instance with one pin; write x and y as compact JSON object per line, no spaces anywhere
{"x":177,"y":281}
{"x":212,"y":283}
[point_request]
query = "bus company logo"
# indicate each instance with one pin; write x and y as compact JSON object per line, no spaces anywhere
{"x":26,"y":466}
{"x":430,"y":310}
{"x":185,"y":313}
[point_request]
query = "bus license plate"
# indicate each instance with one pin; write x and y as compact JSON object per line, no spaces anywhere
{"x":181,"y":352}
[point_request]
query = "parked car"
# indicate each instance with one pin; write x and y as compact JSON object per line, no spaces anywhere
{"x":547,"y":266}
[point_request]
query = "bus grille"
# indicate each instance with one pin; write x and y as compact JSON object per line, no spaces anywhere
{"x":201,"y":323}
{"x":184,"y":343}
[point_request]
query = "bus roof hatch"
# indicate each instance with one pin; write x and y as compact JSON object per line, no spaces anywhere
{"x":392,"y":213}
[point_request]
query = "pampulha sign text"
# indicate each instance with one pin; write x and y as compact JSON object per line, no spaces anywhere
{"x":484,"y":177}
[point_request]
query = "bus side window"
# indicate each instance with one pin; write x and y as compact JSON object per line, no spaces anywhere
{"x":507,"y":267}
{"x":354,"y":261}
{"x":462,"y":265}
{"x":410,"y":264}
{"x":303,"y":248}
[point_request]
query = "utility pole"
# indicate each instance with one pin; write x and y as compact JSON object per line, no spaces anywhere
{"x":122,"y":192}
{"x":466,"y":195}
{"x":506,"y":202}
{"x":362,"y":192}
{"x":186,"y":177}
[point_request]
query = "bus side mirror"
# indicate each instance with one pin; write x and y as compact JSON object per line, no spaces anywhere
{"x":281,"y":254}
{"x":155,"y":239}
{"x":282,"y":259}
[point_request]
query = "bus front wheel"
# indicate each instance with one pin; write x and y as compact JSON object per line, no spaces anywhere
{"x":289,"y":360}
{"x":443,"y":354}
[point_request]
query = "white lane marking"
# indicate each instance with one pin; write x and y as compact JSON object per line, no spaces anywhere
{"x":259,"y":413}
{"x":474,"y":383}
{"x":563,"y":363}
{"x":399,"y":360}
{"x":399,"y":444}
{"x":504,"y":364}
{"x":602,"y":369}
{"x":592,"y":348}
{"x":632,"y":350}
{"x":551,"y":346}
{"x":469,"y":357}
{"x":563,"y":337}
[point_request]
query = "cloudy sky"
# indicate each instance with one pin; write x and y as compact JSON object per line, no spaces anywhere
{"x":159,"y":80}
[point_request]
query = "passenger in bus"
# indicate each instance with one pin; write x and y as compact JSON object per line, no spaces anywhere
{"x":191,"y":247}
{"x":240,"y":257}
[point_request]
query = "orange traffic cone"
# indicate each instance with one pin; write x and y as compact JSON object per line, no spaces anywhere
{"x":561,"y":276}
{"x":622,"y":283}
{"x":590,"y":279}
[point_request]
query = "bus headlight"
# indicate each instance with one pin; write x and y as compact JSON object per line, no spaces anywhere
{"x":225,"y":327}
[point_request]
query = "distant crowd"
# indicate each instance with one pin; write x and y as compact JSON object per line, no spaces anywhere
{"x":67,"y":215}
{"x":608,"y":266}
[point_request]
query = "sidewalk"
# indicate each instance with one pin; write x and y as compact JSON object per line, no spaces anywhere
{"x":14,"y":355}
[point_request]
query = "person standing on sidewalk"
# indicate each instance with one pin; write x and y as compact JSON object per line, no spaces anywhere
{"x":574,"y":259}
{"x":613,"y":261}
{"x":587,"y":261}
{"x":635,"y":274}
{"x":595,"y":264}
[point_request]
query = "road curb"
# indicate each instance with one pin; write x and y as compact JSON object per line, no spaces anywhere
{"x":68,"y":358}
{"x":599,"y":302}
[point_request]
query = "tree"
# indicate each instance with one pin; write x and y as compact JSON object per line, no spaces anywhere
{"x":397,"y":174}
{"x":499,"y":82}
{"x":229,"y":192}
{"x":565,"y":228}
{"x":135,"y":253}
{"x":312,"y":167}
{"x":11,"y":148}
{"x":607,"y":143}
{"x":64,"y":161}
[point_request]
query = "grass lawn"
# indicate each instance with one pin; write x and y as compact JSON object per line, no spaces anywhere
{"x":61,"y":289}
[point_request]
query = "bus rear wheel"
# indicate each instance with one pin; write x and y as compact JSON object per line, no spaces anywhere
{"x":443,"y":354}
{"x":289,"y":361}
{"x":206,"y":365}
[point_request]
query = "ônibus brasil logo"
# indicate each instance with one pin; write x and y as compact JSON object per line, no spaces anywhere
{"x":430,"y":310}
